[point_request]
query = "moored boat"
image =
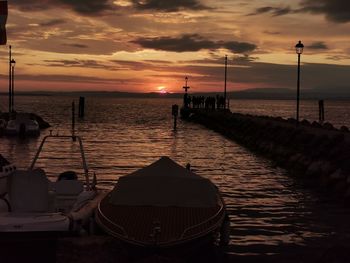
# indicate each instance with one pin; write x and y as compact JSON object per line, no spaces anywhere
{"x":162,"y":205}
{"x":23,"y":124}
{"x":30,"y":202}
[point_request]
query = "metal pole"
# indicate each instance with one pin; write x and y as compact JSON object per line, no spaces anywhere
{"x":225,"y":81}
{"x":73,"y":121}
{"x":298,"y":88}
{"x":10,"y":82}
{"x":13,"y":89}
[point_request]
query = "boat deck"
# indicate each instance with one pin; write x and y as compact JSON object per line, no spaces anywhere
{"x":153,"y":225}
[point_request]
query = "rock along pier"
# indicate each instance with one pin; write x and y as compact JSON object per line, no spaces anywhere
{"x":314,"y":152}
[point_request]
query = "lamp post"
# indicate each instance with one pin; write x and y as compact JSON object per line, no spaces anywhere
{"x":299,"y":50}
{"x":13,"y":63}
{"x":225,"y":81}
{"x":10,"y":82}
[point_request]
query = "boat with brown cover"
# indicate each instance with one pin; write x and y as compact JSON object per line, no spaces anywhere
{"x":162,"y":205}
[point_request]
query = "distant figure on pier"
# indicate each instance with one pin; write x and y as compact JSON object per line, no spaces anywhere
{"x":209,"y":103}
{"x":186,"y":100}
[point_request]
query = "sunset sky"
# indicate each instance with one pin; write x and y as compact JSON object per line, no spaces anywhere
{"x":151,"y":45}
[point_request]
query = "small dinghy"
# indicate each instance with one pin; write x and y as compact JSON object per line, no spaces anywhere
{"x":162,"y":205}
{"x":30,"y":202}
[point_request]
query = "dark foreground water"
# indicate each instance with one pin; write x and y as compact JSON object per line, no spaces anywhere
{"x":271,"y":214}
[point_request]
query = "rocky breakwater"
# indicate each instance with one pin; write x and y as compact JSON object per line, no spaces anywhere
{"x":319,"y":154}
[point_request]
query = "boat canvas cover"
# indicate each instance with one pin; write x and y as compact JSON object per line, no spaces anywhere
{"x":164,"y":183}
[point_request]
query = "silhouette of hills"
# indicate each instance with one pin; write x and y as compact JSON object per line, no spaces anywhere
{"x":339,"y":93}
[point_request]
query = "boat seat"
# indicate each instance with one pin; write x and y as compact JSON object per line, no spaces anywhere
{"x":28,"y":191}
{"x":66,"y":193}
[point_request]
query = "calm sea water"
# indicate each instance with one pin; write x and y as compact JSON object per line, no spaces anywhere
{"x":336,"y":112}
{"x":268,"y":209}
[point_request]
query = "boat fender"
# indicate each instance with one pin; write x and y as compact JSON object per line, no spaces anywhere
{"x":225,"y":231}
{"x":71,"y":226}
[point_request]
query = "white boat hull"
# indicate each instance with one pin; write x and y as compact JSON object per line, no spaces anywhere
{"x":34,"y":222}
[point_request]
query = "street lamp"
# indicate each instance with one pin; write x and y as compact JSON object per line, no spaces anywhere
{"x":10,"y":81}
{"x":299,"y":47}
{"x":225,"y":82}
{"x":13,"y":63}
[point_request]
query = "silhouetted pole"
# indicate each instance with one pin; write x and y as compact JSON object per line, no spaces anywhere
{"x":225,"y":81}
{"x":81,"y":107}
{"x":175,"y":112}
{"x":73,"y":119}
{"x":13,"y":63}
{"x":321,"y":111}
{"x":299,"y":50}
{"x":186,"y":94}
{"x":10,"y":82}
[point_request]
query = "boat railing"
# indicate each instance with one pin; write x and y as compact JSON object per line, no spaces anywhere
{"x":192,"y":228}
{"x":74,"y":138}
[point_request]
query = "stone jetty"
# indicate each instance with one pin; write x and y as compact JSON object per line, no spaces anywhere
{"x":317,"y":153}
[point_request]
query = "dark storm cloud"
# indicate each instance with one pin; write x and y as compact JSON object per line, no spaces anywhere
{"x":192,"y":42}
{"x":168,"y":5}
{"x":88,"y":7}
{"x":76,"y":45}
{"x":78,"y":64}
{"x":334,"y":10}
{"x":338,"y":57}
{"x":33,"y":5}
{"x":52,"y":22}
{"x":84,"y":7}
{"x":62,"y":62}
{"x":59,"y":78}
{"x":154,"y":65}
{"x":318,"y":45}
{"x":275,"y":11}
{"x":184,"y":43}
{"x":239,"y":47}
{"x":272,"y":32}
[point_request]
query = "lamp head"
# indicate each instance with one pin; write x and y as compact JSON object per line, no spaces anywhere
{"x":299,"y":47}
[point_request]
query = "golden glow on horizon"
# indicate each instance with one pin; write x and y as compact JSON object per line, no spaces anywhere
{"x":162,"y":90}
{"x":130,"y":49}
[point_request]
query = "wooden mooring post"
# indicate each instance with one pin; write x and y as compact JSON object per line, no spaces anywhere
{"x":175,"y":112}
{"x":81,"y":107}
{"x":321,"y":111}
{"x":73,"y":121}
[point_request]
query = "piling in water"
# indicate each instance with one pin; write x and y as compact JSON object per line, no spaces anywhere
{"x":81,"y":107}
{"x":175,"y":112}
{"x":73,"y":119}
{"x":321,"y":111}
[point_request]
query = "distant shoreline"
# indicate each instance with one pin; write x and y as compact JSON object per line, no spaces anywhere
{"x":280,"y":94}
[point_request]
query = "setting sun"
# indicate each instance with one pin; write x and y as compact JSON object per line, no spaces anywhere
{"x":162,"y":90}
